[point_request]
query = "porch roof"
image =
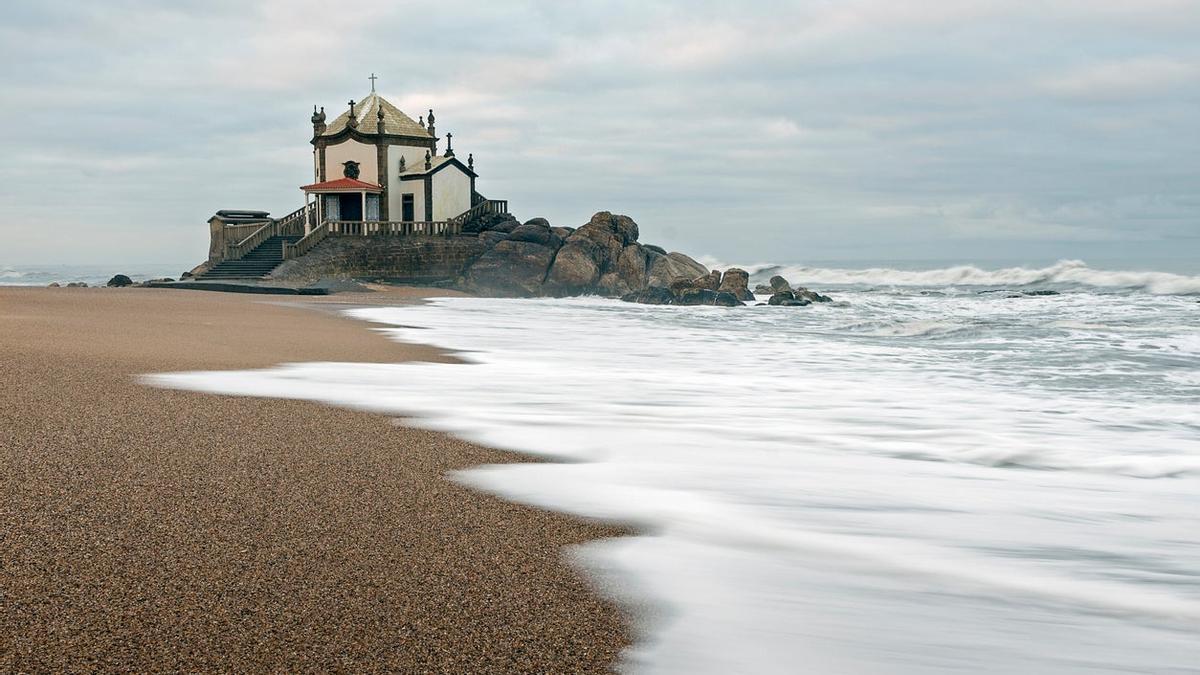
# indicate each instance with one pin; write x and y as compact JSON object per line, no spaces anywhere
{"x":342,"y":185}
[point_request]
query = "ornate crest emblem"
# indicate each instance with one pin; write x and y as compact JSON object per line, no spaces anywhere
{"x":350,"y":170}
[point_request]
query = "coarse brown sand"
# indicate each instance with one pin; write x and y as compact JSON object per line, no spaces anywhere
{"x":144,"y":529}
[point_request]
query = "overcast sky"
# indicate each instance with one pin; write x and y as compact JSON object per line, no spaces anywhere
{"x":784,"y":131}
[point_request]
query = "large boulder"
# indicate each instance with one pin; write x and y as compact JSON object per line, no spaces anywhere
{"x":667,"y":268}
{"x":631,"y":267}
{"x":787,"y":299}
{"x":119,"y":281}
{"x":576,"y":268}
{"x":695,"y":296}
{"x":536,"y":232}
{"x":736,"y":281}
{"x":510,"y":269}
{"x":779,"y":284}
{"x":491,"y":238}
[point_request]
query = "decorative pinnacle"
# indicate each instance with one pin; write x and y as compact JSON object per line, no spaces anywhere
{"x":421,"y":121}
{"x":353,"y":121}
{"x":428,"y":163}
{"x":403,"y":164}
{"x":471,"y":161}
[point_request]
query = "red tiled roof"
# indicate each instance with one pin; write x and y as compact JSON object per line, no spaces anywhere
{"x":342,"y":185}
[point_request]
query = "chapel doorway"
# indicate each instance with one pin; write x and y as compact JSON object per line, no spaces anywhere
{"x":350,"y":207}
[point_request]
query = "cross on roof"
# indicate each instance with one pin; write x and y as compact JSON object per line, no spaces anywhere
{"x":372,"y":78}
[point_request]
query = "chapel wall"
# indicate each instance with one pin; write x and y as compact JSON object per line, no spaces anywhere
{"x":451,"y":193}
{"x":352,"y":150}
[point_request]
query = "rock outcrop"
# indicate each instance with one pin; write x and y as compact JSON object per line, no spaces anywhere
{"x":604,"y":257}
{"x":601,"y":257}
{"x":510,"y":269}
{"x":119,"y":281}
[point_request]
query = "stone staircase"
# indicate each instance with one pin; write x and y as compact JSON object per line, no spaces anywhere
{"x":256,"y":264}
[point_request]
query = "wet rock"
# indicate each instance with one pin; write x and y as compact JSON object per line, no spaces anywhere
{"x":811,"y":296}
{"x":576,"y":268}
{"x":53,"y":284}
{"x":652,"y":295}
{"x":77,"y":284}
{"x":711,"y":281}
{"x":657,"y":249}
{"x":695,"y":296}
{"x":779,"y":284}
{"x":726,"y":299}
{"x":788,"y":299}
{"x":510,"y":269}
{"x":736,"y":281}
{"x":119,"y":281}
{"x":763,"y":289}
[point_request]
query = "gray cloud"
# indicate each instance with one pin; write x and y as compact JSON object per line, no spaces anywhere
{"x":794,"y":130}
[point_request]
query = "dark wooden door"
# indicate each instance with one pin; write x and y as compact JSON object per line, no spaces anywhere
{"x":350,"y":206}
{"x":407,"y":211}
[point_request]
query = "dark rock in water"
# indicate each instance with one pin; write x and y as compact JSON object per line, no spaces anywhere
{"x":788,"y":299}
{"x":119,"y":281}
{"x":510,"y":269}
{"x":536,"y":233}
{"x":763,"y":289}
{"x":726,"y":299}
{"x":77,"y":284}
{"x":737,"y":282}
{"x":1044,"y":292}
{"x":53,"y":284}
{"x":779,"y":284}
{"x":667,"y":268}
{"x":695,"y":296}
{"x":657,"y":249}
{"x":811,"y":296}
{"x":653,"y":295}
{"x":491,"y":238}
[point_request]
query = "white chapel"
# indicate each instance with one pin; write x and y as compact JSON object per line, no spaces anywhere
{"x":375,"y":163}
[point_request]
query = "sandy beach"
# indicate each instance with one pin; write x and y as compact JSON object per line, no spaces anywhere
{"x":149,"y":530}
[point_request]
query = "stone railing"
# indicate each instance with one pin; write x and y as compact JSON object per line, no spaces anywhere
{"x":291,"y":224}
{"x":306,"y":243}
{"x":394,"y":228}
{"x":485,"y":207}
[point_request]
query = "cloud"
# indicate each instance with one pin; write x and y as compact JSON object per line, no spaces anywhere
{"x":1124,"y":79}
{"x":798,"y":128}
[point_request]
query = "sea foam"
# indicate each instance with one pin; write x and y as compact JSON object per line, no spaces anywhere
{"x":899,"y":483}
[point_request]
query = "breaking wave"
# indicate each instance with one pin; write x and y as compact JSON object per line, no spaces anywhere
{"x":1064,"y":273}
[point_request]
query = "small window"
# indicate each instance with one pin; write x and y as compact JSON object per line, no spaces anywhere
{"x":407,"y":209}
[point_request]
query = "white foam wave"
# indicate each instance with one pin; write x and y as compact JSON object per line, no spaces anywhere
{"x":1064,"y":272}
{"x":815,"y":490}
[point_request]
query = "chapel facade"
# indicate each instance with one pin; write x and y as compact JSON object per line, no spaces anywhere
{"x":375,"y":163}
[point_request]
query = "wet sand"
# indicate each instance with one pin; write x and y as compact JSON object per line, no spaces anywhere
{"x":146,"y":529}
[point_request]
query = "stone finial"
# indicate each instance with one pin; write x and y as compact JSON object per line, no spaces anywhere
{"x":403,"y":164}
{"x":353,"y":121}
{"x":421,"y":121}
{"x":471,"y":161}
{"x":428,"y":161}
{"x":379,"y":118}
{"x":432,"y":132}
{"x":318,"y":120}
{"x":449,"y":147}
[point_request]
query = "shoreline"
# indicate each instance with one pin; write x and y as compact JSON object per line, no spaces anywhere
{"x":152,"y":529}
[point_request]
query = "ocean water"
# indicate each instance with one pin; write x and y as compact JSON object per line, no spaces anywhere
{"x":92,"y":275}
{"x":937,"y":473}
